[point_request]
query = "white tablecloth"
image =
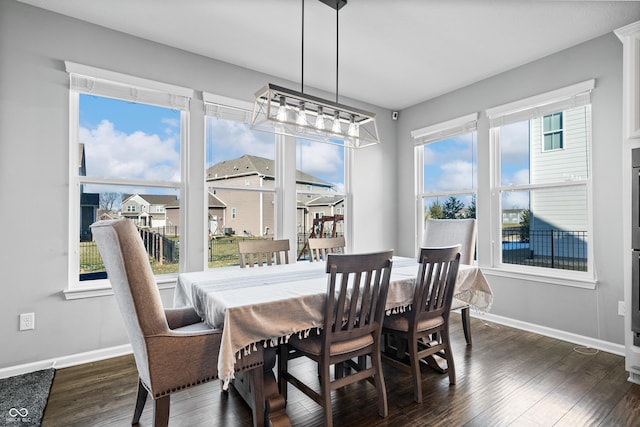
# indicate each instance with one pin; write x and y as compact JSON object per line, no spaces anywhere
{"x":269,"y":304}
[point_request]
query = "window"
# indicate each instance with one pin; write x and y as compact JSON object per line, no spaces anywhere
{"x":543,"y":179}
{"x":320,"y":190}
{"x":552,"y":131}
{"x":446,"y":171}
{"x":126,"y":140}
{"x":240,"y":179}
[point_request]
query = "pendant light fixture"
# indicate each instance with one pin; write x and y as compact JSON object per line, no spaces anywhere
{"x":286,"y":111}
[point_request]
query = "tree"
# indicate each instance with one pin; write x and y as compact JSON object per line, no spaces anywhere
{"x":107,"y":200}
{"x":435,"y":211}
{"x":472,"y":207}
{"x":452,"y":208}
{"x":525,"y":223}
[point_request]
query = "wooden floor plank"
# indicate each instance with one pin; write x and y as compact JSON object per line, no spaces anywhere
{"x":508,"y":377}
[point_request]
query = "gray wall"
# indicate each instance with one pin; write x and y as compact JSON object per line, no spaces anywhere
{"x":591,"y":313}
{"x":34,"y":153}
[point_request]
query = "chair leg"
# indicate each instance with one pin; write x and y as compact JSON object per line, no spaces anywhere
{"x":141,"y":399}
{"x":415,"y":369}
{"x":448,"y":354}
{"x":466,"y":324}
{"x":161,"y":411}
{"x":283,"y":353}
{"x":325,"y":387}
{"x":376,"y":362}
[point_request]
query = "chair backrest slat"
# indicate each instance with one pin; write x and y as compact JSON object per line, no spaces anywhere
{"x":258,"y":252}
{"x":319,"y":248}
{"x":435,"y":282}
{"x":356,"y":295}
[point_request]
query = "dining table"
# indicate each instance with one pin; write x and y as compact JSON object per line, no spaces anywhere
{"x":267,"y":305}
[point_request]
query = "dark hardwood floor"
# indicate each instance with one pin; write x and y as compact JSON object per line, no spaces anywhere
{"x":508,"y":377}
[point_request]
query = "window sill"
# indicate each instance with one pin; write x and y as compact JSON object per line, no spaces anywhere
{"x":104,"y":288}
{"x":575,"y":282}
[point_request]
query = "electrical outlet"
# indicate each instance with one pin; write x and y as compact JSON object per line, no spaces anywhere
{"x":27,"y":321}
{"x":621,"y":309}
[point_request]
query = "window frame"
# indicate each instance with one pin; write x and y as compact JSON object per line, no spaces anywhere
{"x":124,"y":87}
{"x":559,"y":131}
{"x":538,"y":106}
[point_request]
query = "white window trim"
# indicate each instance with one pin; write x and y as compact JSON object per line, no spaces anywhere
{"x":436,"y":132}
{"x":110,"y":84}
{"x":537,"y":106}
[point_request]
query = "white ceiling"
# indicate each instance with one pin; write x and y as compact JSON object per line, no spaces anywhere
{"x":392,"y":53}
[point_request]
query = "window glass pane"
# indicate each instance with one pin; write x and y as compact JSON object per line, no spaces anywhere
{"x":450,"y":164}
{"x":320,"y":191}
{"x":126,"y":140}
{"x":546,"y":228}
{"x":528,"y":156}
{"x":451,"y":207}
{"x":152,"y":209}
{"x":138,"y":143}
{"x":239,"y":163}
{"x":237,"y":156}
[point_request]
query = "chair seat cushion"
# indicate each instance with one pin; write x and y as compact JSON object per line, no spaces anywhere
{"x":400,"y":322}
{"x":313,"y":344}
{"x":195,"y":327}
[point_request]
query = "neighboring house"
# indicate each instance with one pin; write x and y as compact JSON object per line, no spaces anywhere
{"x":252,"y":212}
{"x":215,"y":207}
{"x":146,"y":210}
{"x":558,"y":146}
{"x":89,"y":202}
{"x":512,"y":216}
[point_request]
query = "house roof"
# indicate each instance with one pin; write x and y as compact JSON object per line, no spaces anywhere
{"x":247,"y":165}
{"x":152,"y":199}
{"x":326,"y":201}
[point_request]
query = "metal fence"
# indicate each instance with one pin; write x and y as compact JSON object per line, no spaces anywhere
{"x":566,"y":250}
{"x":161,"y":249}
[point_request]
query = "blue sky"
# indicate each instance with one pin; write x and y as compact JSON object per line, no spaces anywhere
{"x":451,"y":164}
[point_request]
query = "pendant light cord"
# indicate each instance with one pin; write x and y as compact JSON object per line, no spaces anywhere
{"x":302,"y":54}
{"x":337,"y":47}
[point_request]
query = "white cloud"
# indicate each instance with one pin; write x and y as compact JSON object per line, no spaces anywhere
{"x":115,"y":154}
{"x":456,"y":175}
{"x":321,"y":160}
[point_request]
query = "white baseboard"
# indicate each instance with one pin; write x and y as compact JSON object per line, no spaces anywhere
{"x":606,"y":346}
{"x":66,"y":361}
{"x":93,"y":356}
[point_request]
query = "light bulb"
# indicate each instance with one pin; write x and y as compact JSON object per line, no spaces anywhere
{"x":282,"y":110}
{"x":302,"y":115}
{"x":336,"y":123}
{"x":353,"y":127}
{"x":320,"y":119}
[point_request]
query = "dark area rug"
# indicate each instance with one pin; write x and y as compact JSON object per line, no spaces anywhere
{"x":24,"y":397}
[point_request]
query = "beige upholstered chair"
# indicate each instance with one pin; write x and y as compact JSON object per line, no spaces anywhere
{"x":261,"y":251}
{"x":320,"y":247}
{"x":173,"y":348}
{"x":424,"y":330}
{"x":356,"y":297}
{"x":446,"y":232}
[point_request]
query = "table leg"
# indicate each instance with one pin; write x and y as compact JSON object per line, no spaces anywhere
{"x":263,"y":389}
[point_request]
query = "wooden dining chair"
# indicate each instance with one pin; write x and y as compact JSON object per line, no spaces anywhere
{"x":446,"y":232}
{"x":423,"y":331}
{"x":320,"y":247}
{"x":357,"y":288}
{"x":173,"y":348}
{"x":259,"y":252}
